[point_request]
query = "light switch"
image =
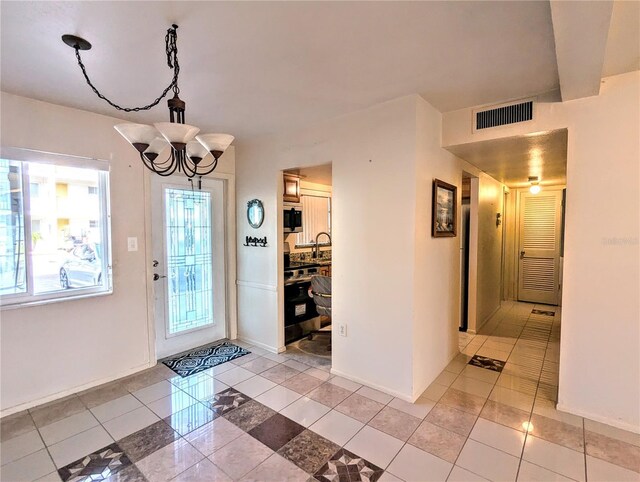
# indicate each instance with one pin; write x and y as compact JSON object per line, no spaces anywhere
{"x":132,"y":244}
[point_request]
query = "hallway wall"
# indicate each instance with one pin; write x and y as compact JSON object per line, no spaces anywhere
{"x":600,"y":344}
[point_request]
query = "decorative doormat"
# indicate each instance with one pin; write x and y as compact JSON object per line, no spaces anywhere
{"x":543,"y":312}
{"x":488,"y":363}
{"x":204,"y":358}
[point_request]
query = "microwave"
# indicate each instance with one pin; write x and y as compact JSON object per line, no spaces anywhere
{"x":292,"y":218}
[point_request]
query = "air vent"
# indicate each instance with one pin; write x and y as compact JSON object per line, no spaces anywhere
{"x":508,"y":114}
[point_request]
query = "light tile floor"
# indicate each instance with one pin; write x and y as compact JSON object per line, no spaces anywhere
{"x":266,"y":417}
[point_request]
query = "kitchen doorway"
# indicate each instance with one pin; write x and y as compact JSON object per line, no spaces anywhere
{"x":307,"y":263}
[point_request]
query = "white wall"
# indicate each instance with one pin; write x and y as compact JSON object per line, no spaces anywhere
{"x":436,"y":283}
{"x":51,"y":350}
{"x":389,"y":275}
{"x":600,"y":343}
{"x":489,"y":267}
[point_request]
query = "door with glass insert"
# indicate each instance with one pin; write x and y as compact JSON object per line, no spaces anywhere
{"x":189,"y":258}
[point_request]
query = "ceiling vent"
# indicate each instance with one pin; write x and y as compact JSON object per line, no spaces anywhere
{"x":503,"y":115}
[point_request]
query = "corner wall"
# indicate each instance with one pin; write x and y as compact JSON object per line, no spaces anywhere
{"x":389,"y":275}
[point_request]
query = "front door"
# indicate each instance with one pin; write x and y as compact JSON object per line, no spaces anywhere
{"x":540,"y":231}
{"x":188,"y":234}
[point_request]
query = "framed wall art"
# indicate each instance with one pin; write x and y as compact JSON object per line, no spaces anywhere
{"x":445,"y":210}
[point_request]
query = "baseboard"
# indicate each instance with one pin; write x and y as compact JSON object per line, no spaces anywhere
{"x":65,"y":393}
{"x":401,"y":396}
{"x":486,"y":319}
{"x":264,"y":346}
{"x":598,"y":418}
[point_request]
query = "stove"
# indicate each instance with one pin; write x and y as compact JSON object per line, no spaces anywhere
{"x":299,"y":271}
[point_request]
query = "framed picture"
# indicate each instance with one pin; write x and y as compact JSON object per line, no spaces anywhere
{"x":445,"y":210}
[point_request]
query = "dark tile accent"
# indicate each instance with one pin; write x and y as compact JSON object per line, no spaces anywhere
{"x":227,"y":400}
{"x":190,"y":418}
{"x":309,"y":451}
{"x":542,"y":312}
{"x":146,"y":441}
{"x":100,"y":465}
{"x":249,"y":415}
{"x":345,"y":466}
{"x":276,"y":431}
{"x":486,"y":362}
{"x":204,"y":358}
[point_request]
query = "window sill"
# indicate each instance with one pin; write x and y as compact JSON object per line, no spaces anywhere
{"x":14,"y":305}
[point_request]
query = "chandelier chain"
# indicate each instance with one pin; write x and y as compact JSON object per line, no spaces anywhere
{"x":172,"y":61}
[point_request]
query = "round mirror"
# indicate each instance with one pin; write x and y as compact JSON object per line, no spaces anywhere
{"x":255,"y":213}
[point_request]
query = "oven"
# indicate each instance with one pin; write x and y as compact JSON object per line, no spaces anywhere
{"x":300,"y":315}
{"x":292,"y":218}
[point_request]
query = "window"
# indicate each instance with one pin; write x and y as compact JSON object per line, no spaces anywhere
{"x":54,"y":239}
{"x":316,"y":218}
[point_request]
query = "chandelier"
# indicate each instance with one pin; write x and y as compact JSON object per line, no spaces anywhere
{"x":192,"y":154}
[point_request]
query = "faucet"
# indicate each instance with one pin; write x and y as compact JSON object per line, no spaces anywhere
{"x":317,"y":250}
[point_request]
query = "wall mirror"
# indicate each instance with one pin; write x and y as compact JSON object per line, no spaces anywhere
{"x":255,"y":213}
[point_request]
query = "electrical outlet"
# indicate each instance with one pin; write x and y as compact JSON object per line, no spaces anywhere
{"x":342,"y":330}
{"x":132,"y":244}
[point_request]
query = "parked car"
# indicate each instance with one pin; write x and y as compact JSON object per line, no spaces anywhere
{"x":82,"y":267}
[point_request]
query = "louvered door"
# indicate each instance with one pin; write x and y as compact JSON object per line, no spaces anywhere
{"x":539,"y":235}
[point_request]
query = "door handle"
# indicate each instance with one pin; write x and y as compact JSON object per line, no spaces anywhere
{"x":522,"y":254}
{"x":157,"y":276}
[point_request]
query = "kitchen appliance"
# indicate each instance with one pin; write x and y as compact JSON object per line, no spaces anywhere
{"x":300,"y":314}
{"x":292,"y":218}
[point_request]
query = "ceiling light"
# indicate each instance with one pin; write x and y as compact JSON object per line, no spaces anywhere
{"x":187,"y":149}
{"x":535,"y":185}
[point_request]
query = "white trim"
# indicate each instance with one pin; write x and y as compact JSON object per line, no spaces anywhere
{"x":259,"y":286}
{"x":91,"y":293}
{"x":598,"y":418}
{"x":264,"y":346}
{"x":43,"y":157}
{"x":401,"y":396}
{"x":71,"y":391}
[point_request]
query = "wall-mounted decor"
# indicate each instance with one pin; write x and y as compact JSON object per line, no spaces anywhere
{"x":255,"y":213}
{"x":255,"y":242}
{"x":445,"y":210}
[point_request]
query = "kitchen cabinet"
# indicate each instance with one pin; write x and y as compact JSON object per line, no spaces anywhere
{"x":325,"y":270}
{"x":291,"y":188}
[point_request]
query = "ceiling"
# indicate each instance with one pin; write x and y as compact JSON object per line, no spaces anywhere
{"x":623,"y":44}
{"x":511,"y":160}
{"x":258,"y":68}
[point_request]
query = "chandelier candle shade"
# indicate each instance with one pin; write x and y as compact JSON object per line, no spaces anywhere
{"x":191,"y":154}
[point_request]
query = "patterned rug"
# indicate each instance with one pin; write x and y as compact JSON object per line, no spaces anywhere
{"x":486,"y":362}
{"x":204,"y":358}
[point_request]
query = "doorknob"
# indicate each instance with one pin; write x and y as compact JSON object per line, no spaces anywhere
{"x":521,"y":254}
{"x":157,"y":276}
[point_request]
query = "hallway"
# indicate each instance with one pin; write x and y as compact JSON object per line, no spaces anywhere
{"x":278,"y":417}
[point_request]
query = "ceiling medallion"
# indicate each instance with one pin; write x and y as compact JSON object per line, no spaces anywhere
{"x":188,"y":150}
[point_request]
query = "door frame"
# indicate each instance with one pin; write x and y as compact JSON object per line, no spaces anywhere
{"x":230,"y":256}
{"x":516,"y":248}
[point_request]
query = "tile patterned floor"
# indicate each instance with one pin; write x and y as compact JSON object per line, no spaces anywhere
{"x":490,"y":415}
